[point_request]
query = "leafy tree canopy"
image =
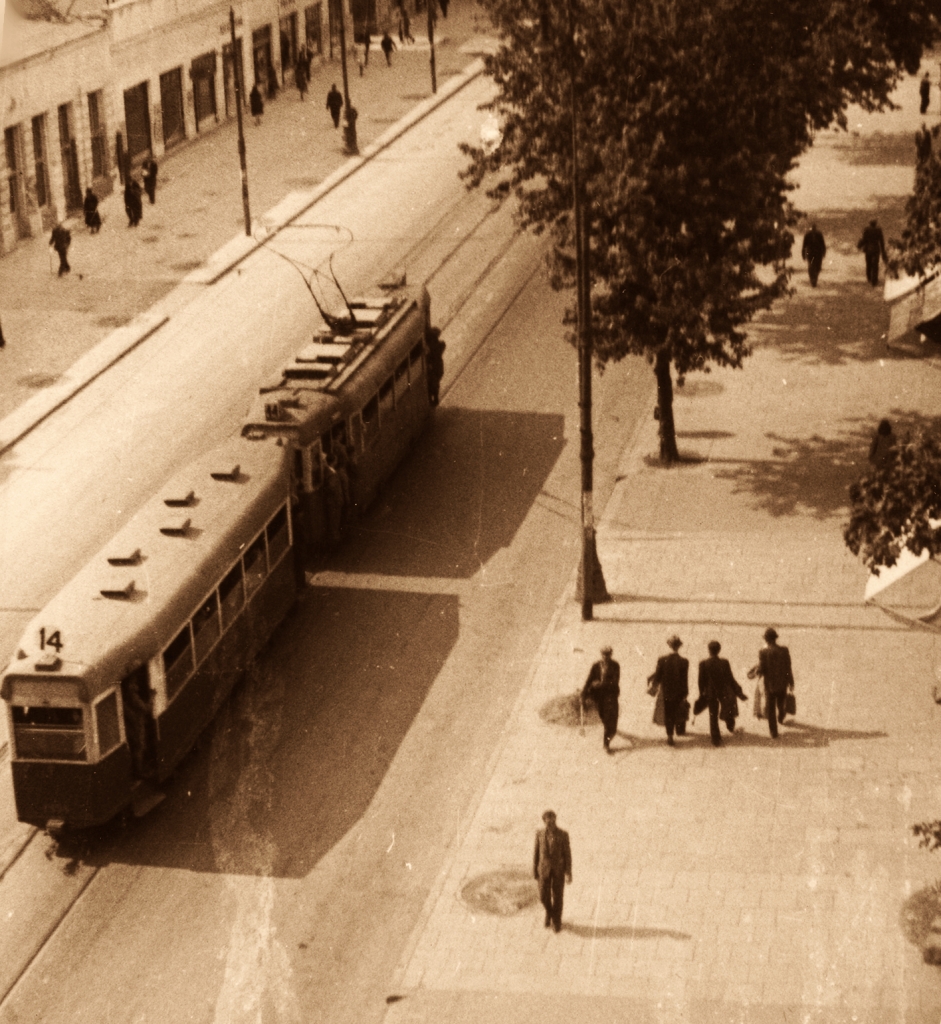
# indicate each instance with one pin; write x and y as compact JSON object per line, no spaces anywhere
{"x":920,"y":246}
{"x":690,"y":117}
{"x":898,"y":505}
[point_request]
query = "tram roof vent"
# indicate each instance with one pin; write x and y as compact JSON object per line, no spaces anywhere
{"x":48,"y":663}
{"x":134,"y":558}
{"x":178,"y":527}
{"x":227,"y":475}
{"x":181,"y":500}
{"x":116,"y":593}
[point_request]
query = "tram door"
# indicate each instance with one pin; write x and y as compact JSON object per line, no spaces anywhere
{"x":139,"y":725}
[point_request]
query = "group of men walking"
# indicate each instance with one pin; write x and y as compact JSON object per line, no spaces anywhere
{"x":871,"y":244}
{"x":719,"y":691}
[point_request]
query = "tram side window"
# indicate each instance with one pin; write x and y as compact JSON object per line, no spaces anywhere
{"x":279,"y":539}
{"x":178,"y":662}
{"x":255,"y":565}
{"x":232,"y":595}
{"x":386,"y":399}
{"x":206,"y":627}
{"x":106,"y":719}
{"x":371,"y":420}
{"x":49,"y":734}
{"x":401,"y":380}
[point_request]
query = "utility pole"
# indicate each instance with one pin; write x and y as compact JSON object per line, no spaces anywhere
{"x":349,"y":111}
{"x":431,"y":40}
{"x":237,"y":66}
{"x":591,"y":586}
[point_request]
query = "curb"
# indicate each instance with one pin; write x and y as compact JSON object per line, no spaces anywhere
{"x":121,"y":342}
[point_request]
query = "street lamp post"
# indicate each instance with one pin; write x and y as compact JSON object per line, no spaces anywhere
{"x":431,"y":41}
{"x":237,"y":66}
{"x":349,"y":112}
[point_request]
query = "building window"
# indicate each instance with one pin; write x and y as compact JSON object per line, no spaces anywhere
{"x":39,"y":160}
{"x":171,"y":103}
{"x":203,"y":74}
{"x":313,"y":29}
{"x":99,"y":143}
{"x":69,"y":148}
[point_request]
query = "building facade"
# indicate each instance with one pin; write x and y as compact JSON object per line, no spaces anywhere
{"x":89,"y":97}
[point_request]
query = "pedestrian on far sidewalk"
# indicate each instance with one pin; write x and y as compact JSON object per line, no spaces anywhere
{"x":882,"y":449}
{"x":334,"y":104}
{"x":150,"y":179}
{"x":387,"y":47}
{"x":873,"y":246}
{"x":256,"y":104}
{"x":60,"y":241}
{"x":670,"y":683}
{"x":405,"y":27}
{"x":367,"y":42}
{"x":774,"y":668}
{"x":552,"y":868}
{"x":813,"y":251}
{"x":719,"y":691}
{"x":133,"y":203}
{"x":603,"y":688}
{"x":90,"y":209}
{"x":300,"y":75}
{"x":924,"y":90}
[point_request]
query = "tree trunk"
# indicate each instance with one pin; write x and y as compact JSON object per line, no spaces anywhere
{"x":668,"y":450}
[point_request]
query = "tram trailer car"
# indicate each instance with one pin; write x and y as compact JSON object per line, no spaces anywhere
{"x":120,"y":672}
{"x":117,"y":676}
{"x":356,"y":397}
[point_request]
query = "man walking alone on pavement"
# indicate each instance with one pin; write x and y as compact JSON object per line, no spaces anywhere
{"x":60,"y":241}
{"x":774,"y":667}
{"x":873,"y":246}
{"x":603,"y":686}
{"x":334,"y":104}
{"x":813,"y":251}
{"x":552,"y":868}
{"x":672,"y":677}
{"x":924,"y":91}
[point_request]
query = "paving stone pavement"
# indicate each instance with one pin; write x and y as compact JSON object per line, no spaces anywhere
{"x":767,"y":880}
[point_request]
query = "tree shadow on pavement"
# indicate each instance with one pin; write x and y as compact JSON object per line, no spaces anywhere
{"x":807,"y":476}
{"x":877,"y":149}
{"x":812,"y":475}
{"x":622,"y":932}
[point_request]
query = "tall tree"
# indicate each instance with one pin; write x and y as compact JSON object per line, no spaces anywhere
{"x":897,"y":505}
{"x":692,"y":116}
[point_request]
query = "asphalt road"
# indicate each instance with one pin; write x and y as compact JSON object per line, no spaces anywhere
{"x":282,"y":877}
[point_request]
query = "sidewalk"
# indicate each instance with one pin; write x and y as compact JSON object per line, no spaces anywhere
{"x":767,"y":881}
{"x":48,"y":322}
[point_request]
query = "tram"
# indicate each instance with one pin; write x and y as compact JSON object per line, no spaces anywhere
{"x":117,"y":676}
{"x":349,"y":405}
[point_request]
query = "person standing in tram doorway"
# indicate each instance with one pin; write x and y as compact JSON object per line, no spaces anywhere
{"x":256,"y":104}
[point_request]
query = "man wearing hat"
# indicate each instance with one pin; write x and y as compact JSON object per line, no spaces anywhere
{"x":719,"y":691}
{"x":672,"y":678}
{"x":774,"y":667}
{"x":552,"y":868}
{"x":603,"y":686}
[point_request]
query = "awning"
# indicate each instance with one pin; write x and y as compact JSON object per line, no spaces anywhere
{"x":917,"y":310}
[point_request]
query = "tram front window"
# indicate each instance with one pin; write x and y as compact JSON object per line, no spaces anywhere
{"x":49,"y":734}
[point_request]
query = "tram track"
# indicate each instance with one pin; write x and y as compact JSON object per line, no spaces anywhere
{"x":73,"y":879}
